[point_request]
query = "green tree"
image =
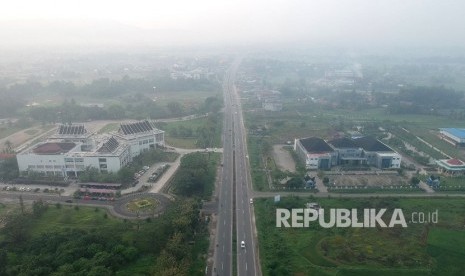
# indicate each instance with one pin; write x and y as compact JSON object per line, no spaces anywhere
{"x":414,"y":180}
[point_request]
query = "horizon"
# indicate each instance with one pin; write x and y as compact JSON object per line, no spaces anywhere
{"x":352,"y":24}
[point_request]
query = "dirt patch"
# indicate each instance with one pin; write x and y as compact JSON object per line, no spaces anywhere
{"x":21,"y":137}
{"x":283,"y":158}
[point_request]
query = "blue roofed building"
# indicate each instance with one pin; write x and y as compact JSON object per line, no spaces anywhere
{"x":455,"y":136}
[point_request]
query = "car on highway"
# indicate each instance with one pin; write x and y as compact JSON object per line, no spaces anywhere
{"x":242,"y":244}
{"x":251,"y":201}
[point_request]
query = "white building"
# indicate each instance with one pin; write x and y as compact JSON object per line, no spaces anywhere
{"x":319,"y":154}
{"x":72,"y":149}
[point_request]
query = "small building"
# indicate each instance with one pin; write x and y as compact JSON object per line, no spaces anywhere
{"x":451,"y":166}
{"x":319,"y":154}
{"x":455,"y":136}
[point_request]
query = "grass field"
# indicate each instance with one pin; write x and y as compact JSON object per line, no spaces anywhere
{"x":419,"y":249}
{"x":67,"y":216}
{"x":189,"y":142}
{"x":109,"y":127}
{"x":7,"y":131}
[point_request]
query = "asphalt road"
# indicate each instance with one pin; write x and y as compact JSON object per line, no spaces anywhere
{"x":235,"y":207}
{"x":247,"y":257}
{"x":223,"y":249}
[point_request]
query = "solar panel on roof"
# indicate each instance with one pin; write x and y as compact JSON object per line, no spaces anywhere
{"x":123,"y":128}
{"x":138,"y":127}
{"x":109,"y":146}
{"x":148,"y":127}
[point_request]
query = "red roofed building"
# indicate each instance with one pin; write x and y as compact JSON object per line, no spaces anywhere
{"x":451,"y":166}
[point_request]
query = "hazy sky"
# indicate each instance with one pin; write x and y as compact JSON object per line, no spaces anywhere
{"x":357,"y":22}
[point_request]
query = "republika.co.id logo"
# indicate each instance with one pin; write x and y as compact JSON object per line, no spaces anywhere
{"x":340,"y":217}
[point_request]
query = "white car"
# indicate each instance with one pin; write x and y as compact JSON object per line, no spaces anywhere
{"x":242,"y":244}
{"x":251,"y":201}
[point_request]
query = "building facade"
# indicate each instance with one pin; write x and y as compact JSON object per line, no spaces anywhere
{"x":319,"y":154}
{"x":71,"y":150}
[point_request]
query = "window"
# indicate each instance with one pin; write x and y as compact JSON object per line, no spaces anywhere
{"x":101,"y":160}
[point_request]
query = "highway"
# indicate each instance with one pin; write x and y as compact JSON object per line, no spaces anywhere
{"x":224,"y":230}
{"x":235,"y":190}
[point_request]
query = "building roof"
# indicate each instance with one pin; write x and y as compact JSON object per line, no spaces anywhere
{"x":109,"y":146}
{"x":457,"y":132}
{"x":369,"y":143}
{"x":53,"y":148}
{"x":71,"y":130}
{"x":451,"y":164}
{"x":455,"y":162}
{"x":315,"y":144}
{"x":343,"y":143}
{"x":134,"y":128}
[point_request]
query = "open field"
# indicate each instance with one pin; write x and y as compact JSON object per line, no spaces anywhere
{"x":370,"y":183}
{"x":19,"y":136}
{"x":419,"y":249}
{"x":109,"y":128}
{"x":283,"y":158}
{"x":193,"y":125}
{"x":67,"y":216}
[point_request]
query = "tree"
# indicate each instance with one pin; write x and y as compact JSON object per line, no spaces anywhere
{"x":8,"y":147}
{"x":3,"y":262}
{"x":175,"y":108}
{"x":9,"y":169}
{"x":21,"y":203}
{"x":414,"y":180}
{"x":39,"y":207}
